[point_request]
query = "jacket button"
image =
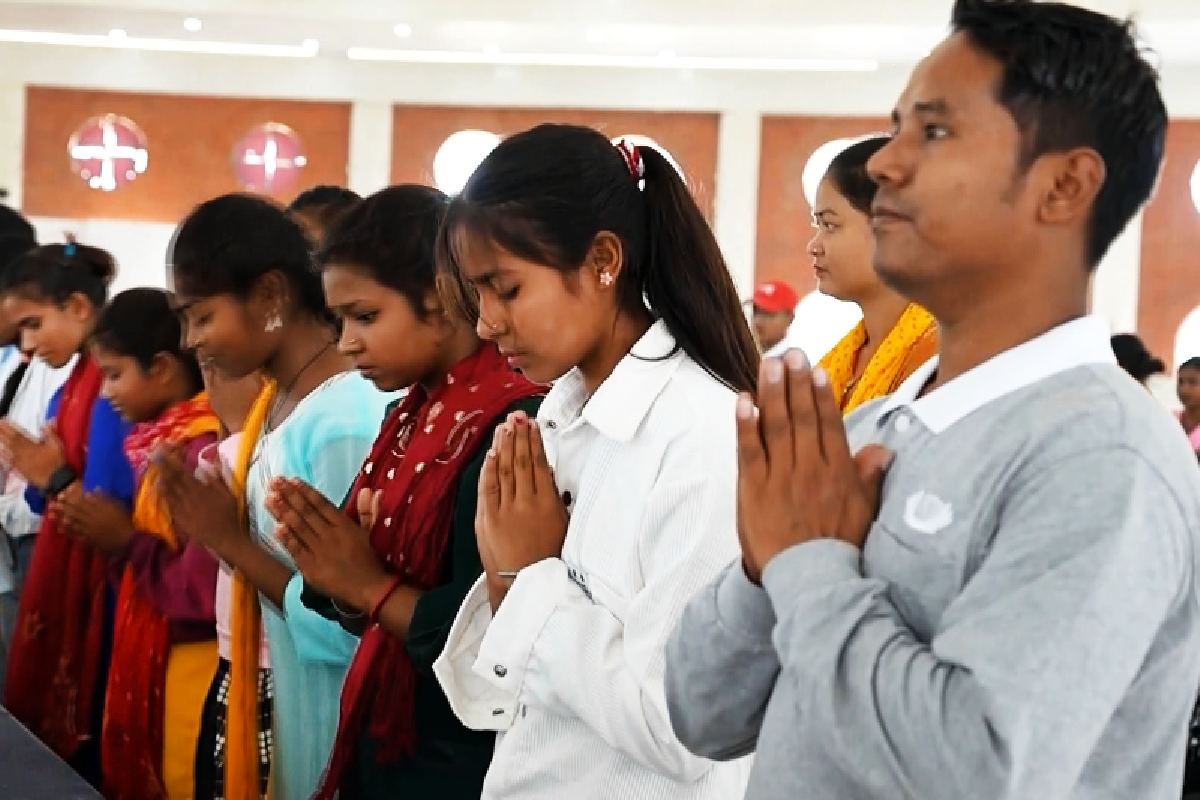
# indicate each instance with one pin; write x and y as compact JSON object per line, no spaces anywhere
{"x":500,"y":671}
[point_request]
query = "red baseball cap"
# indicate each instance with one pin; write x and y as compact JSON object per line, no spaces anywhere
{"x":775,"y":297}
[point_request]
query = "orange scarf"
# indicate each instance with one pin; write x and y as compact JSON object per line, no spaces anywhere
{"x":133,"y":733}
{"x":911,"y":342}
{"x":241,"y":736}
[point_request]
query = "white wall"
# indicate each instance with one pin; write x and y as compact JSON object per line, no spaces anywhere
{"x":12,"y":138}
{"x":1115,"y":285}
{"x":140,"y":248}
{"x":741,"y":98}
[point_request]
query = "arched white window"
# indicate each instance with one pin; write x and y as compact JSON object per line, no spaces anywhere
{"x":637,"y":140}
{"x":820,"y":323}
{"x":1187,"y":338}
{"x":458,"y":157}
{"x":1196,"y":186}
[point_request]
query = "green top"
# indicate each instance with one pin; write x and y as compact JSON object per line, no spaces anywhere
{"x":450,"y":761}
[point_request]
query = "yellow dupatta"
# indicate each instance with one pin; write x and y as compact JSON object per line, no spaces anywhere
{"x":245,"y":625}
{"x":911,"y":342}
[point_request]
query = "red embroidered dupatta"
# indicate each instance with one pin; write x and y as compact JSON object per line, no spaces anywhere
{"x":417,"y":461}
{"x":55,"y":658}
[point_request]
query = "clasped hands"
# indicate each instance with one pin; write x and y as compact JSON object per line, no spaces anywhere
{"x":98,"y":519}
{"x":520,"y":518}
{"x":202,"y":507}
{"x":332,"y":551}
{"x":33,"y":459}
{"x":797,"y":479}
{"x":519,"y":521}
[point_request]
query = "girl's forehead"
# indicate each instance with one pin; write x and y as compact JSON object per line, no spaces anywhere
{"x":18,"y":303}
{"x":474,"y":253}
{"x":182,"y":301}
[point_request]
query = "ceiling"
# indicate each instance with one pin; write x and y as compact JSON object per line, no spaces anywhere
{"x":880,"y":31}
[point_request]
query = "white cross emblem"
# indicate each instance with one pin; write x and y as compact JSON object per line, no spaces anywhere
{"x":108,"y":153}
{"x":270,"y":161}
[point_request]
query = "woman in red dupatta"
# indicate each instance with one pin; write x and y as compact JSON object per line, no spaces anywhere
{"x":416,"y":497}
{"x":164,"y":644}
{"x":58,"y":660}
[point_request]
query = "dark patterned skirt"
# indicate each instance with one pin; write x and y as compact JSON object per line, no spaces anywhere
{"x":210,"y":748}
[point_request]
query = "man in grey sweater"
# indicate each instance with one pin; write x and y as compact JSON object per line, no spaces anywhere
{"x":995,"y":596}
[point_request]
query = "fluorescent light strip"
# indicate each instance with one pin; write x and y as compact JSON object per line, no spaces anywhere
{"x":633,"y":62}
{"x":308,"y":49}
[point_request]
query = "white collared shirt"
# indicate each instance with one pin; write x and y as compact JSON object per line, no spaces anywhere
{"x":29,"y":413}
{"x":1073,"y":344}
{"x":570,"y":670}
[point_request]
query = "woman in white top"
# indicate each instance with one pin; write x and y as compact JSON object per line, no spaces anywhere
{"x":591,"y":266}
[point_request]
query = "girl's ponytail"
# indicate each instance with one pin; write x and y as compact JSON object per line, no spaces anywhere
{"x":687,"y":282}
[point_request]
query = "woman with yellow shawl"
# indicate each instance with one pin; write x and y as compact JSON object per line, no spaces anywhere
{"x":895,"y":336}
{"x":164,"y":642}
{"x":252,"y":303}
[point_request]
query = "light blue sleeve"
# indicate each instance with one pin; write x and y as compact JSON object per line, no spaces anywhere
{"x":327,"y":451}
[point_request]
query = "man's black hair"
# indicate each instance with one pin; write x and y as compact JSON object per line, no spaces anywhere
{"x":1077,"y":78}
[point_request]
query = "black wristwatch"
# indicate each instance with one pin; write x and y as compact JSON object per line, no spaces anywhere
{"x":60,"y":479}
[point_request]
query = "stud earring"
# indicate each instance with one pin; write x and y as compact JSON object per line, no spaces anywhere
{"x":606,"y":279}
{"x":274,"y":323}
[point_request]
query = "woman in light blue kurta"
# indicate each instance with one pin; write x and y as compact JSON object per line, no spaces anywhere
{"x":251,"y":302}
{"x":322,"y":442}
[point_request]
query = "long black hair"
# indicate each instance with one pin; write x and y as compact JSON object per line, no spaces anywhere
{"x":226,"y":245}
{"x":391,"y":237}
{"x":545,"y":194}
{"x":53,"y":272}
{"x":140,"y":323}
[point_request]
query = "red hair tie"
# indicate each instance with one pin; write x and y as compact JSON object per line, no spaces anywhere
{"x":633,"y":159}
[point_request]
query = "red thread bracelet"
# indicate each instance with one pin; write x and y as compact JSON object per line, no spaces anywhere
{"x":392,"y":586}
